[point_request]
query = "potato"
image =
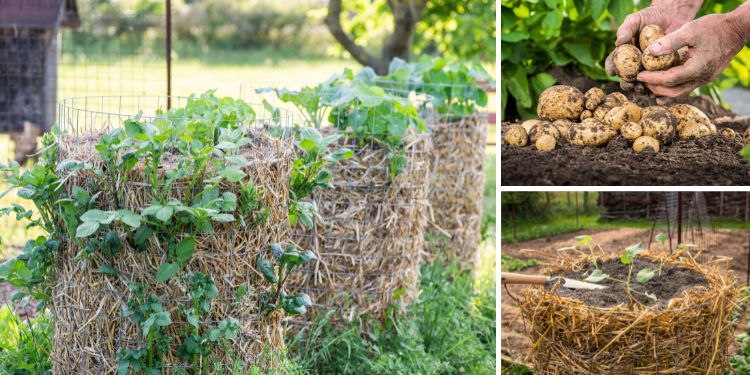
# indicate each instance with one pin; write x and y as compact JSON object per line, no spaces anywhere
{"x":627,"y":60}
{"x":692,"y":131}
{"x":650,"y":109}
{"x":618,"y":116}
{"x":631,"y":130}
{"x":586,"y":114}
{"x":594,"y":97}
{"x":639,"y":88}
{"x":649,"y":34}
{"x":601,"y":112}
{"x":645,"y":143}
{"x":516,"y":135}
{"x":563,"y":126}
{"x":530,"y":124}
{"x":728,"y":133}
{"x":664,"y":62}
{"x":545,"y":143}
{"x":558,"y":102}
{"x":614,"y":99}
{"x":686,"y":114}
{"x":543,"y":129}
{"x":746,"y":135}
{"x":627,"y":85}
{"x":658,"y":124}
{"x":590,"y":132}
{"x":682,"y":55}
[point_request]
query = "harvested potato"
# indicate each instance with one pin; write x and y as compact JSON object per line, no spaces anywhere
{"x":563,"y":127}
{"x":692,"y":131}
{"x":645,"y":143}
{"x":586,"y":114}
{"x":650,"y":109}
{"x":631,"y":131}
{"x":627,"y":85}
{"x":746,"y":136}
{"x":728,"y":133}
{"x":614,"y":99}
{"x":686,"y":114}
{"x":658,"y":124}
{"x":516,"y":135}
{"x":543,"y":129}
{"x":530,"y":124}
{"x":682,"y":55}
{"x":648,"y":34}
{"x":639,"y":88}
{"x":601,"y":112}
{"x":545,"y":143}
{"x":560,"y":101}
{"x":663,"y":62}
{"x":627,"y":60}
{"x":624,"y":113}
{"x":594,"y":97}
{"x":590,"y":132}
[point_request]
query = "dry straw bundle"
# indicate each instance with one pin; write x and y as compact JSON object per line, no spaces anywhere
{"x":369,"y":248}
{"x":88,"y":305}
{"x":690,"y":335}
{"x":457,"y":185}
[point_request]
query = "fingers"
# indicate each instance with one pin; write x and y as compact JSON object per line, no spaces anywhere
{"x":689,"y":71}
{"x":679,"y":90}
{"x":672,"y":42}
{"x":629,"y":28}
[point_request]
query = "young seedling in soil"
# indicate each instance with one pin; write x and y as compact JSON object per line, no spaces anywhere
{"x":286,"y":260}
{"x":585,"y":240}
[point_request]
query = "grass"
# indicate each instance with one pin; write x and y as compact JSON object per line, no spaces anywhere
{"x":560,"y":218}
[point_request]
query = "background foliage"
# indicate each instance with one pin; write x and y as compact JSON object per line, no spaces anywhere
{"x":539,"y":35}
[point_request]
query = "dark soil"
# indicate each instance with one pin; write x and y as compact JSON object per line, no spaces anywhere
{"x":671,"y":283}
{"x":706,"y":161}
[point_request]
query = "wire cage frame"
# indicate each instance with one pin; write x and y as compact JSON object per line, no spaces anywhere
{"x":91,"y":329}
{"x":371,"y":238}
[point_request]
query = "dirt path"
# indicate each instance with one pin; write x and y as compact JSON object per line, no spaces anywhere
{"x":731,"y":245}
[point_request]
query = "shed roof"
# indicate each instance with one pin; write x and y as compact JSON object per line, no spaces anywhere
{"x":39,"y":13}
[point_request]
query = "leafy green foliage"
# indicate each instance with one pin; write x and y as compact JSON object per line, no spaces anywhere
{"x":509,"y":263}
{"x":286,"y":261}
{"x":25,"y":345}
{"x":596,"y":276}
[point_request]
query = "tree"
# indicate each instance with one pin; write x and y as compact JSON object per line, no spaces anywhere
{"x":406,"y":14}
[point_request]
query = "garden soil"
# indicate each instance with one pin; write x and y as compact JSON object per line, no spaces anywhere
{"x":514,"y":343}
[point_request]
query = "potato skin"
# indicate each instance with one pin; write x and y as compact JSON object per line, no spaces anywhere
{"x":586,"y":114}
{"x":543,"y":129}
{"x":659,"y":125}
{"x":746,"y":135}
{"x":652,"y":108}
{"x":682,"y":55}
{"x":590,"y":132}
{"x":560,"y":102}
{"x":645,"y":143}
{"x":631,"y":131}
{"x":530,"y":124}
{"x":627,"y":60}
{"x":545,"y":143}
{"x":594,"y":97}
{"x":692,"y":130}
{"x":622,"y":114}
{"x":601,"y":112}
{"x":648,"y":34}
{"x":686,"y":114}
{"x":516,"y":135}
{"x":614,"y":99}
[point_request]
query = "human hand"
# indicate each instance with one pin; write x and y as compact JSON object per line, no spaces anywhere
{"x":670,"y":15}
{"x":713,"y":41}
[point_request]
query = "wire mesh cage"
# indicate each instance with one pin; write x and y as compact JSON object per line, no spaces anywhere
{"x":92,"y":330}
{"x":370,"y":239}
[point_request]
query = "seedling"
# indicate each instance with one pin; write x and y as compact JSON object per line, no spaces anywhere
{"x":286,"y":260}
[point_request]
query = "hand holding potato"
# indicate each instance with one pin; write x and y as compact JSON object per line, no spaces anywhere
{"x":713,"y":42}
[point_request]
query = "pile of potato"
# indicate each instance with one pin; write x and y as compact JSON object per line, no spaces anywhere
{"x":629,"y":60}
{"x":590,"y":120}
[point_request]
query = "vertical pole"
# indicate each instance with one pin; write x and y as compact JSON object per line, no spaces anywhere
{"x":577,"y":226}
{"x":169,"y":54}
{"x":679,"y":217}
{"x":669,"y":227}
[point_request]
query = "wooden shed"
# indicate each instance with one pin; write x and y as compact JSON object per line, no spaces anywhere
{"x":28,"y":64}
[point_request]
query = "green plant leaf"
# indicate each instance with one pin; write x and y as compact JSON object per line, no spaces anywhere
{"x":108,"y":269}
{"x":86,"y":229}
{"x":651,"y":295}
{"x":267,"y":269}
{"x":661,"y":238}
{"x":518,"y":85}
{"x":645,"y":275}
{"x":164,"y":213}
{"x":167,"y":271}
{"x":583,"y":240}
{"x":130,"y":218}
{"x":185,"y":249}
{"x":223,"y":218}
{"x":596,"y":276}
{"x":233,"y":174}
{"x":241,"y":292}
{"x":630,"y":253}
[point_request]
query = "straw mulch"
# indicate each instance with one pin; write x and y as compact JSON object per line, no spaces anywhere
{"x":457,"y":187}
{"x":88,"y":305}
{"x":369,"y":248}
{"x":690,"y":335}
